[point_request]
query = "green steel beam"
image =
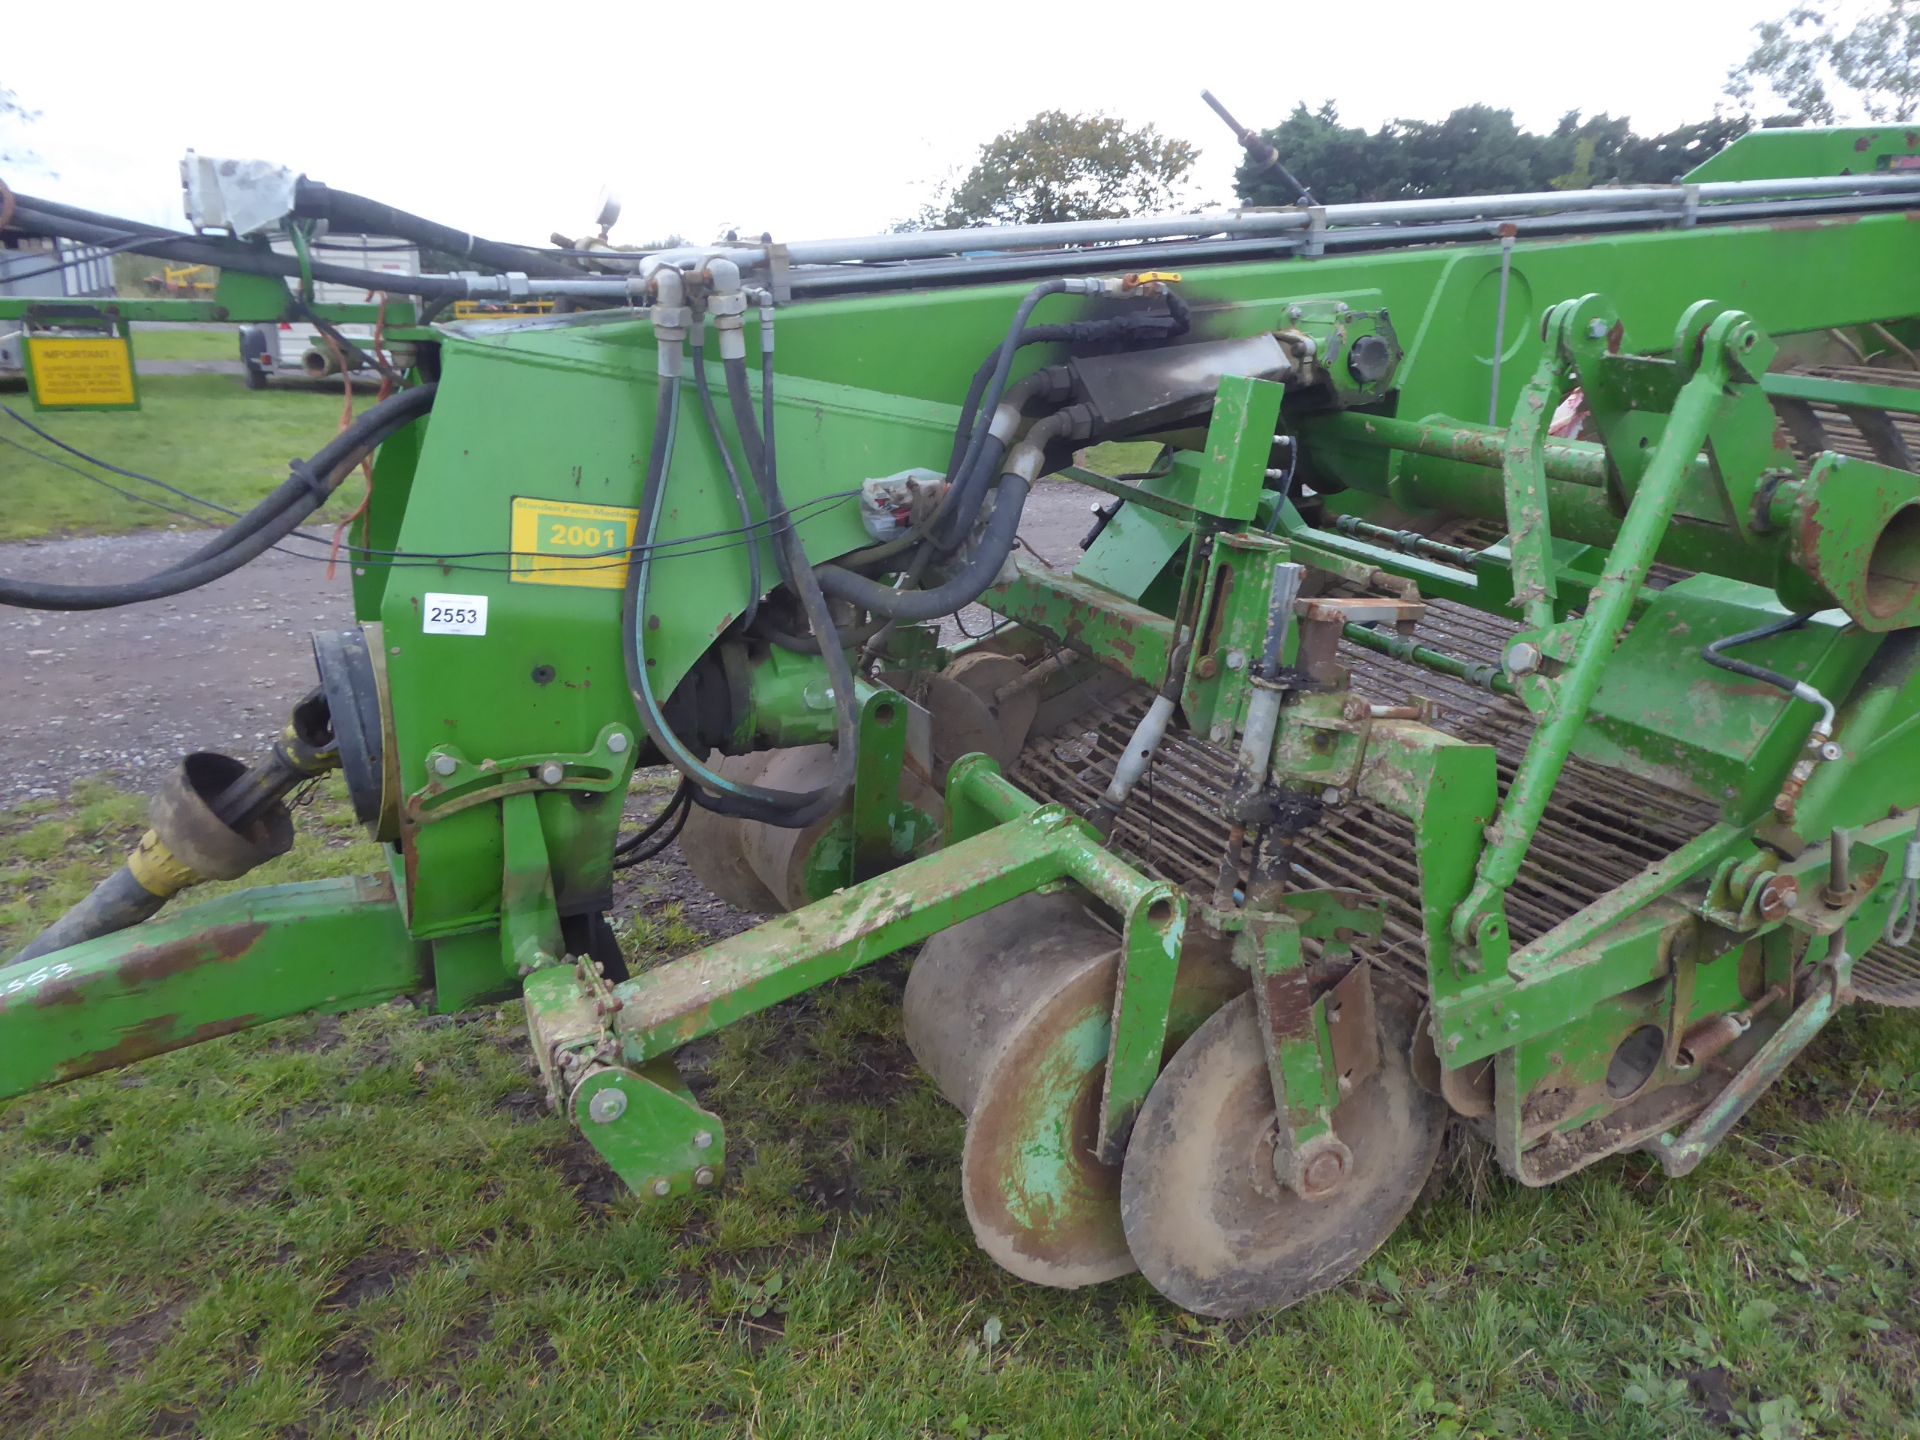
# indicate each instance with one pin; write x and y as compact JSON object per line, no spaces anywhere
{"x":1094,"y":621}
{"x":1821,"y":390}
{"x":226,"y":965}
{"x":1031,"y":846}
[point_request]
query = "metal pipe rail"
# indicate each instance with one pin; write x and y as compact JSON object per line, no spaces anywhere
{"x":1001,"y":251}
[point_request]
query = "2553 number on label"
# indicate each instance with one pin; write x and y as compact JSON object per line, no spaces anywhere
{"x":442,"y":614}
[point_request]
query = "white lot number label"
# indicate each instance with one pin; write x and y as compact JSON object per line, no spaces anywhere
{"x":453,"y":614}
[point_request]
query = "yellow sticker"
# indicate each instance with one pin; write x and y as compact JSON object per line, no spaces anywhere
{"x":556,"y":542}
{"x":81,"y":374}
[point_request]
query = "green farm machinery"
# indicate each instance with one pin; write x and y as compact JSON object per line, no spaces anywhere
{"x":1492,"y":693}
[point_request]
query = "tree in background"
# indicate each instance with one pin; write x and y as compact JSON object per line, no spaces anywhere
{"x":1477,"y":150}
{"x":1805,"y":60}
{"x":1064,"y":167}
{"x":14,"y":117}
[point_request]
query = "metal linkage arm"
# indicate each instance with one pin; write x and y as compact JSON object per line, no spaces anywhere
{"x":1562,"y":702}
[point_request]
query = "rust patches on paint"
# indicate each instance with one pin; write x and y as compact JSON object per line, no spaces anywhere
{"x":155,"y":964}
{"x":150,"y":1037}
{"x":1820,"y":222}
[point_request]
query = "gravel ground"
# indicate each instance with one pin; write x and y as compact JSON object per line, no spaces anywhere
{"x":125,"y":692}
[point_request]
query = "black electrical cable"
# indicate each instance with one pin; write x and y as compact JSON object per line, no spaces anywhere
{"x":113,"y":469}
{"x":104,"y":483}
{"x":402,"y":559}
{"x":272,"y":520}
{"x":310,"y":482}
{"x":712,"y":417}
{"x":138,"y":499}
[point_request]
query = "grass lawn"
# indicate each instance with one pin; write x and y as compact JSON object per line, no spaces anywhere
{"x":202,"y":342}
{"x":207,"y":434}
{"x":371,"y":1226}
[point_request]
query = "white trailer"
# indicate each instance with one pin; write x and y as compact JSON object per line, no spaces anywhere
{"x":291,"y":348}
{"x":32,"y":267}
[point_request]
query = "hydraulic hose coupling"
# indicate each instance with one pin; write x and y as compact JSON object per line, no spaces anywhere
{"x":1820,"y":746}
{"x":672,"y":317}
{"x":764,"y":300}
{"x":1094,"y":285}
{"x":727,"y":307}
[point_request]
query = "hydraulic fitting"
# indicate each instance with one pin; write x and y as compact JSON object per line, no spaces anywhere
{"x":727,"y":307}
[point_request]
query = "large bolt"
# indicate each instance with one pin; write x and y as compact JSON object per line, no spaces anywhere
{"x":703,"y":1141}
{"x":663,"y":1188}
{"x":445,"y":764}
{"x":1523,"y":658}
{"x":703,"y":1177}
{"x":617,"y":743}
{"x":1324,"y":1172}
{"x":607,"y":1105}
{"x":1323,"y":1169}
{"x":552,"y":773}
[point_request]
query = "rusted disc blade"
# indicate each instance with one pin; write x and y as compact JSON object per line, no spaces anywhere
{"x":1211,"y":1227}
{"x":1040,"y":1204}
{"x":969,"y":716}
{"x":973,"y":984}
{"x":711,"y":844}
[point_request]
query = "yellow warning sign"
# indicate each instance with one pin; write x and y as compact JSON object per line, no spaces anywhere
{"x":556,"y":542}
{"x":92,"y":374}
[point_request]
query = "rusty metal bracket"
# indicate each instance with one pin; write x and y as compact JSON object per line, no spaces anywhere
{"x":455,"y":783}
{"x":1318,"y":1050}
{"x":1156,"y":927}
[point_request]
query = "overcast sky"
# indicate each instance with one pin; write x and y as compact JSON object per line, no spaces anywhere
{"x":833,"y":119}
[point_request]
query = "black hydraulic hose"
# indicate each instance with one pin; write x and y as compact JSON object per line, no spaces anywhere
{"x":712,"y":416}
{"x":786,"y":809}
{"x":434,"y":309}
{"x":348,"y":212}
{"x":970,"y":409}
{"x":259,"y":530}
{"x":1002,"y":364}
{"x":750,"y":441}
{"x":633,"y":849}
{"x":32,"y":217}
{"x":980,"y":571}
{"x":996,"y":540}
{"x":1714,"y":654}
{"x":965,"y":498}
{"x":627,"y":859}
{"x":368,"y":429}
{"x":1124,"y":328}
{"x":797,"y":572}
